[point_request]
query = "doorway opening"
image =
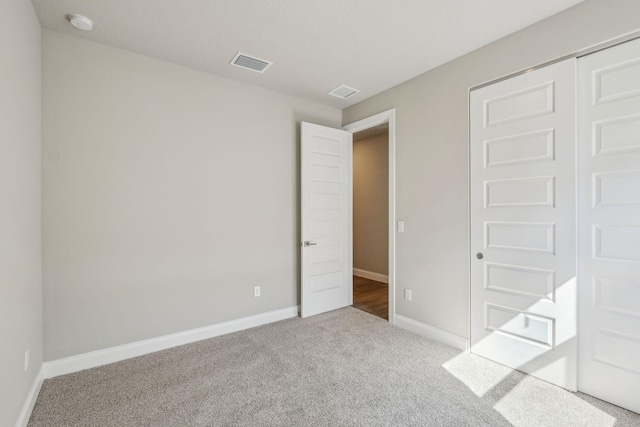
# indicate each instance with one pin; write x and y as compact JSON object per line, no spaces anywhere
{"x":370,"y":220}
{"x":373,"y":214}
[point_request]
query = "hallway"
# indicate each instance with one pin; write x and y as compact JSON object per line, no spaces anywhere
{"x":371,"y":296}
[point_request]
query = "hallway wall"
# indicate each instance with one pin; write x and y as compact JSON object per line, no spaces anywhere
{"x":371,"y":204}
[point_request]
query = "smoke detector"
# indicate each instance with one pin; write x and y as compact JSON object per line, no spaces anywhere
{"x":249,"y":62}
{"x":343,"y":92}
{"x":81,"y":22}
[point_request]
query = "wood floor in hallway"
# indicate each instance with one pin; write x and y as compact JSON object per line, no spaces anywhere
{"x":371,"y":296}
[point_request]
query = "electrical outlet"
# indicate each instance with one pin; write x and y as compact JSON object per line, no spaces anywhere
{"x":256,"y":291}
{"x":407,"y":294}
{"x":400,"y":226}
{"x":26,"y":359}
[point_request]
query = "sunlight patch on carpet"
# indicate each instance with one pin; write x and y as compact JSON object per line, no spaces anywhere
{"x":536,"y":403}
{"x":477,"y":373}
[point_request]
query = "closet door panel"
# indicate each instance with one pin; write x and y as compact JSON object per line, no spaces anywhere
{"x":523,"y":208}
{"x":609,"y":224}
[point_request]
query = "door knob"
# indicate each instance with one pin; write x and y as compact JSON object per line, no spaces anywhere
{"x":308,"y":243}
{"x":479,"y":255}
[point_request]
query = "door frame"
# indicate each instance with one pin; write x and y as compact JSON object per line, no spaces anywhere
{"x":388,"y":116}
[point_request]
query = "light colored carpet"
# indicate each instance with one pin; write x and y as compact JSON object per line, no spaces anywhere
{"x":344,"y":368}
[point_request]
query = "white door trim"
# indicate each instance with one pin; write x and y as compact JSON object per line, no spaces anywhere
{"x":388,"y":116}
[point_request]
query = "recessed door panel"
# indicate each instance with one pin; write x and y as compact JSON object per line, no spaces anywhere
{"x":326,"y":227}
{"x":520,"y":236}
{"x":325,"y":145}
{"x":523,"y":148}
{"x":617,"y":350}
{"x":326,"y":254}
{"x":616,"y":136}
{"x":520,"y":280}
{"x":326,"y":201}
{"x":535,"y":191}
{"x":523,"y":103}
{"x":617,"y":82}
{"x":326,"y":281}
{"x":616,"y":296}
{"x":617,"y":188}
{"x":525,"y":326}
{"x":616,"y":243}
{"x":326,"y":173}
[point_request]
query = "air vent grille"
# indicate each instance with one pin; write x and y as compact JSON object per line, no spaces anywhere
{"x":250,"y":63}
{"x":343,"y":92}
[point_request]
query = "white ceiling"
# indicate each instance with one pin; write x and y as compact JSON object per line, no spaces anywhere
{"x":315,"y":45}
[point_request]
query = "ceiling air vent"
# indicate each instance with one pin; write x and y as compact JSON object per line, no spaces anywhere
{"x":343,"y":92}
{"x":250,"y":63}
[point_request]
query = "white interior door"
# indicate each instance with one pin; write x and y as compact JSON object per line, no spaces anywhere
{"x":327,"y":281}
{"x":523,"y":208}
{"x":609,"y":224}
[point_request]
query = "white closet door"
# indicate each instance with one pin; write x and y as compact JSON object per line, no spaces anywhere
{"x":523,"y":208}
{"x":609,"y":225}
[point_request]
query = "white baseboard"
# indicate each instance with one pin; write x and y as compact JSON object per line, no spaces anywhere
{"x":30,"y":401}
{"x":93,"y":359}
{"x":371,"y":275}
{"x":431,"y":332}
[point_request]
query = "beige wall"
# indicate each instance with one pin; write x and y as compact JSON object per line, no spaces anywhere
{"x":371,"y":204}
{"x":432,"y":152}
{"x":169,"y":194}
{"x":20,"y":248}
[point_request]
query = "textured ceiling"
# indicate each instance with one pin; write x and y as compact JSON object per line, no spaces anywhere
{"x":316,"y":45}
